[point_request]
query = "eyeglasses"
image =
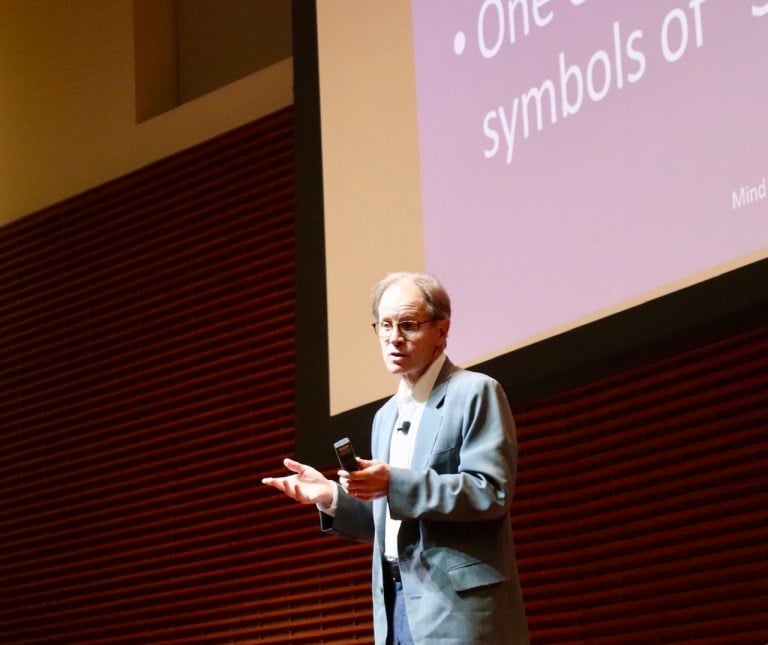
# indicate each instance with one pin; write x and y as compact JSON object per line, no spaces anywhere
{"x":406,"y":328}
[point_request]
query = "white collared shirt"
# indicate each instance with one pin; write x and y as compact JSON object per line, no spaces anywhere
{"x":410,"y":404}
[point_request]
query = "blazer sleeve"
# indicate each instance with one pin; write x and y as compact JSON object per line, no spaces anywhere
{"x":353,"y":519}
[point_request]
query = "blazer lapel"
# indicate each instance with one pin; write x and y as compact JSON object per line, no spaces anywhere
{"x":431,"y":419}
{"x":382,"y":438}
{"x":380,"y":444}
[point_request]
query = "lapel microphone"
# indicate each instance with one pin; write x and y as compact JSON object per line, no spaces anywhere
{"x":405,"y":427}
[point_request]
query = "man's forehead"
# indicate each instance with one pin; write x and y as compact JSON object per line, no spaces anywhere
{"x":401,"y":295}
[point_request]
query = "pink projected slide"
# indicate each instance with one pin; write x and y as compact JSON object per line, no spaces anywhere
{"x":577,"y":155}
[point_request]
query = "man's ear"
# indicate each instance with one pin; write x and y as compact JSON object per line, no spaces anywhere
{"x":444,"y":326}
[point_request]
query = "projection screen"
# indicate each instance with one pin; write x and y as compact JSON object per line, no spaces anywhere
{"x":583,"y":176}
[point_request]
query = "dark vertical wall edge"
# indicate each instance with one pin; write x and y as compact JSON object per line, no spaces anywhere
{"x":312,"y":398}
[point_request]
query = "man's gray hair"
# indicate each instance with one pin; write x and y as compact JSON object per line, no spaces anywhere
{"x":435,"y":296}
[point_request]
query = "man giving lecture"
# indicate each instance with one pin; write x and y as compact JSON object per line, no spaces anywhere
{"x":435,"y":497}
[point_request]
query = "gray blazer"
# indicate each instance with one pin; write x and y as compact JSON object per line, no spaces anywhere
{"x":457,"y":557}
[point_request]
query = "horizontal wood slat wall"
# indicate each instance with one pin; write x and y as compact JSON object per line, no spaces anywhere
{"x":640,"y":514}
{"x":146,"y":370}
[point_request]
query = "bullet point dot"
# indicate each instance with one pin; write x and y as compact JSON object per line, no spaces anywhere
{"x":459,"y":42}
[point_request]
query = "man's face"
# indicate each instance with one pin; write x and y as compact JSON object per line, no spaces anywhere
{"x":409,"y":357}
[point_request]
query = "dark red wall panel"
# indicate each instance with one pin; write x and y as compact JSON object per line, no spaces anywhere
{"x":640,"y":514}
{"x":146,"y":370}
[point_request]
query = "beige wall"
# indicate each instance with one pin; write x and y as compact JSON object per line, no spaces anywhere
{"x":371,"y":179}
{"x":67,"y":105}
